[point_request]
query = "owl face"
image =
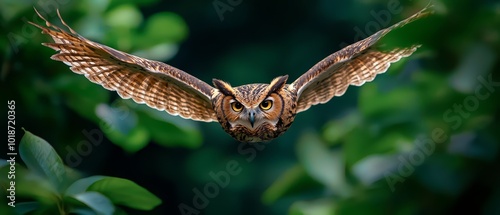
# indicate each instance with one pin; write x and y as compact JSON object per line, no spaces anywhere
{"x":254,"y":112}
{"x":252,"y":115}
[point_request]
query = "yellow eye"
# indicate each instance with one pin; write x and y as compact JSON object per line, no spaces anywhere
{"x":236,"y":106}
{"x":266,"y":104}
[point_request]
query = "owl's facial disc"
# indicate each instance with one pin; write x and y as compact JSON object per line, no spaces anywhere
{"x":252,"y":117}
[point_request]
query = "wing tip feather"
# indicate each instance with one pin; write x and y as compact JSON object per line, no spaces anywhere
{"x":62,"y":43}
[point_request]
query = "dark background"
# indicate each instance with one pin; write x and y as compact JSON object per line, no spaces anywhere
{"x":337,"y":158}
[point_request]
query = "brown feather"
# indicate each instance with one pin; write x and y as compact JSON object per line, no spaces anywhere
{"x":154,"y":83}
{"x":354,"y":65}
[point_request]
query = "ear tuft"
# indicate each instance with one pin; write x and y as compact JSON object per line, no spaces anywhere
{"x":277,"y":84}
{"x":223,"y":87}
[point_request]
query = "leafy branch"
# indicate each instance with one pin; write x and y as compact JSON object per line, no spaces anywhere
{"x":57,"y":189}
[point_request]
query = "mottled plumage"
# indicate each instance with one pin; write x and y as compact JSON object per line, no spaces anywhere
{"x":249,"y":113}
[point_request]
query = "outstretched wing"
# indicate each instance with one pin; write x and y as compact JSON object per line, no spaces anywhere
{"x":159,"y":85}
{"x":353,"y":65}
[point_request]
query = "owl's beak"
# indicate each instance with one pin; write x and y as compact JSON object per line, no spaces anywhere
{"x":251,"y":117}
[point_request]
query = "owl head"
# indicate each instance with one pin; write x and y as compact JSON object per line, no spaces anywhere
{"x":253,"y":112}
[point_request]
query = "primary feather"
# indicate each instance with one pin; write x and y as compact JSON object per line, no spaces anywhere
{"x":154,"y":83}
{"x":353,"y":65}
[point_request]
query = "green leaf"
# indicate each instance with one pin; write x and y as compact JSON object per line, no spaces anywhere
{"x":159,"y":52}
{"x":72,"y":175}
{"x":117,"y":117}
{"x":398,"y":103}
{"x":437,"y":96}
{"x":478,"y":61}
{"x":98,"y":202}
{"x":336,"y":130}
{"x":373,"y":201}
{"x":168,"y":133}
{"x":165,"y":27}
{"x":125,"y":192}
{"x":120,"y":125}
{"x":292,"y":181}
{"x":132,"y":142}
{"x":41,"y":158}
{"x":76,"y":90}
{"x":373,"y":138}
{"x":26,"y":207}
{"x":30,"y":185}
{"x":323,"y":165}
{"x":124,"y":16}
{"x":82,"y":185}
{"x":372,"y":168}
{"x":82,"y":211}
{"x":3,"y":163}
{"x":316,"y":207}
{"x":116,"y":3}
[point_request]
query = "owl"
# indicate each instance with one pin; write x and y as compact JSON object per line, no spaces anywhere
{"x":249,"y":113}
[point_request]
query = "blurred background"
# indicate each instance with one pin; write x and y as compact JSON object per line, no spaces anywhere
{"x":422,"y":138}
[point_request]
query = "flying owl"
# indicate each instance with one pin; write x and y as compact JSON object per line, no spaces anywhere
{"x":249,"y":113}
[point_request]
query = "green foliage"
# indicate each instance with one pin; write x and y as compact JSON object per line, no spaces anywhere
{"x":324,"y":166}
{"x":124,"y":192}
{"x":56,"y":191}
{"x":165,"y":26}
{"x":378,"y":143}
{"x":77,"y":89}
{"x":317,"y":207}
{"x":350,"y":156}
{"x":42,"y":159}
